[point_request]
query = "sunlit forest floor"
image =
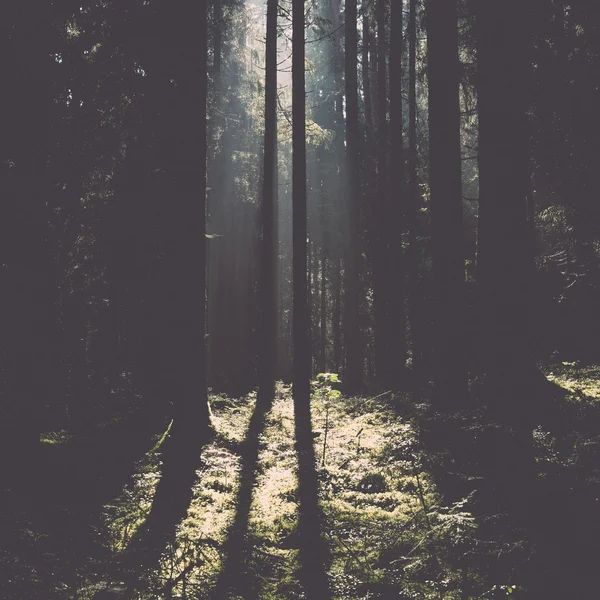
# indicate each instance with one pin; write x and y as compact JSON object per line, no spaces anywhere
{"x":87,"y":529}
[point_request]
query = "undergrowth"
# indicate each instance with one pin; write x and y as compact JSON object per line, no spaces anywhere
{"x":388,"y":530}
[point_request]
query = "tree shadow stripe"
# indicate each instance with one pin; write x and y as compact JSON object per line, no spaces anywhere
{"x":313,"y":552}
{"x":234,"y":576}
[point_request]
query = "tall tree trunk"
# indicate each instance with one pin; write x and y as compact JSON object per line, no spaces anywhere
{"x":269,"y":270}
{"x":325,"y":245}
{"x":337,"y":50}
{"x":395,"y":280}
{"x":322,"y":367}
{"x":340,"y":192}
{"x":301,"y":316}
{"x":366,"y":76}
{"x":217,"y":41}
{"x":512,"y":382}
{"x":451,"y":382}
{"x":337,"y":314}
{"x":315,"y":304}
{"x":381,"y":259}
{"x":369,"y":145}
{"x":354,"y":361}
{"x":220,"y":295}
{"x":412,"y":198}
{"x":185,"y":261}
{"x":504,"y":86}
{"x":370,"y":172}
{"x":28,"y":325}
{"x":312,"y":555}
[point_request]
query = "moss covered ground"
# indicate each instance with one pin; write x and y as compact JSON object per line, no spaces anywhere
{"x":386,"y":528}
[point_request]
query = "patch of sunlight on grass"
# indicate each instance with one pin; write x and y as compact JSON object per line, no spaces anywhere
{"x":194,"y":561}
{"x":369,"y":490}
{"x":52,"y":438}
{"x":378,"y":507}
{"x":230,"y":417}
{"x":126,"y":513}
{"x":274,"y":511}
{"x":581,"y":382}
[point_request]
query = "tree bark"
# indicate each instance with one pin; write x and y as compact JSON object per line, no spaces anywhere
{"x":412,"y":199}
{"x":28,"y":324}
{"x":184,"y":272}
{"x":354,"y":363}
{"x":301,"y":316}
{"x":312,"y":554}
{"x":337,"y":314}
{"x":381,"y":257}
{"x":269,"y":270}
{"x":451,"y":383}
{"x":397,"y":209}
{"x":504,"y":87}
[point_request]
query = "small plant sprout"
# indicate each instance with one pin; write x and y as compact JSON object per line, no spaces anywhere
{"x":324,"y":390}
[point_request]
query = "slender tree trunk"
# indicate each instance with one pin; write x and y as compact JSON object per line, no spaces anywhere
{"x":323,"y":313}
{"x":268,"y":286}
{"x":341,"y":192}
{"x":301,"y":316}
{"x":412,"y":198}
{"x":337,"y":314}
{"x":315,"y":295}
{"x":217,"y":41}
{"x":381,"y":259}
{"x":374,"y":83}
{"x":451,"y":382}
{"x":339,"y":100}
{"x":354,"y":367}
{"x":371,"y":225}
{"x":366,"y":76}
{"x":312,"y":554}
{"x":396,"y":357}
{"x":325,"y":245}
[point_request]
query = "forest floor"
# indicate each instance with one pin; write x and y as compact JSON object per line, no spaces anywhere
{"x":387,"y":532}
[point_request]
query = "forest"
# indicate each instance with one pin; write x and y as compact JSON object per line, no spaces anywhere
{"x":299,"y":300}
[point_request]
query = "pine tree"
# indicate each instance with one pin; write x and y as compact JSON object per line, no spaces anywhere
{"x":446,"y":203}
{"x":354,"y":367}
{"x":268,"y":287}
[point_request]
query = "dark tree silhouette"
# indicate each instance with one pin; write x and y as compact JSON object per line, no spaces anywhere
{"x":384,"y":357}
{"x":396,"y":220}
{"x":301,"y":315}
{"x":269,"y":248}
{"x":312,"y":553}
{"x":446,"y":203}
{"x":504,"y":269}
{"x":354,"y":367}
{"x":28,"y":322}
{"x":186,"y":256}
{"x":412,"y":197}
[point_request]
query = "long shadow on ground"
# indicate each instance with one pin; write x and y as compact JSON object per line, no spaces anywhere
{"x":313,"y":553}
{"x":234,"y":580}
{"x":182,"y":457}
{"x":63,"y":503}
